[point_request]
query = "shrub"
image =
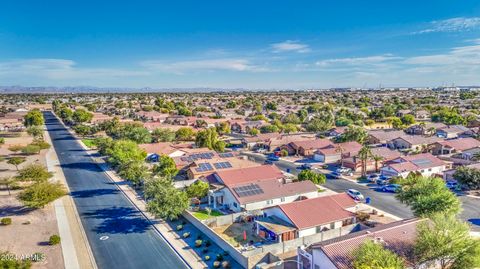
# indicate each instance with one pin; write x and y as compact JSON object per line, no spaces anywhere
{"x":198,"y":243}
{"x":54,"y":240}
{"x":6,"y":221}
{"x":219,"y":257}
{"x":225,"y":264}
{"x":207,"y":258}
{"x":179,"y":227}
{"x":186,"y":235}
{"x":31,"y":149}
{"x":216,"y":264}
{"x":362,"y":216}
{"x":41,"y":144}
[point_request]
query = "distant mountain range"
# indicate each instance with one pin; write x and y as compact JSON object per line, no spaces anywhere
{"x":91,"y":89}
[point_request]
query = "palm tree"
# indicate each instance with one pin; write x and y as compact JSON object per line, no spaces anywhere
{"x":377,"y":159}
{"x":340,"y":150}
{"x":364,"y":154}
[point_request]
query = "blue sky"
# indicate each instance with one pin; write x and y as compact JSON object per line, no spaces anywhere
{"x":240,"y":44}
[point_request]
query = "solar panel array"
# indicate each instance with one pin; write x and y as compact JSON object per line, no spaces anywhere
{"x":204,"y":167}
{"x":198,"y":156}
{"x":226,"y":155}
{"x":249,"y":190}
{"x":222,"y":165}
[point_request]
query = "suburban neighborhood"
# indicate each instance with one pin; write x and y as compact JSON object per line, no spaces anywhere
{"x":284,"y":193}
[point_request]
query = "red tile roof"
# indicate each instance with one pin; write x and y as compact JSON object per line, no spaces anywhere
{"x":249,"y":175}
{"x":397,"y":236}
{"x":273,"y":189}
{"x":461,"y":144}
{"x":312,"y":144}
{"x":317,"y":211}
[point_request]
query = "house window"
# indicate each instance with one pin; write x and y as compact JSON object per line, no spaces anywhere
{"x":332,"y":225}
{"x":282,"y":199}
{"x":319,"y":229}
{"x":269,"y":202}
{"x":430,"y":170}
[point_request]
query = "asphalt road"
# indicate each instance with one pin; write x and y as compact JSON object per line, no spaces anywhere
{"x":119,"y":235}
{"x":382,"y":200}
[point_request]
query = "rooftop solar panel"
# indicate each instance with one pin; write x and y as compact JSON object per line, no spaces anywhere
{"x":249,"y":190}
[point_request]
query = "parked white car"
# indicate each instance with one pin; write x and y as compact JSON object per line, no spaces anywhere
{"x":356,"y":195}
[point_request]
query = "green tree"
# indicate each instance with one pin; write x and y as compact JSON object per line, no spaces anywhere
{"x":41,"y":193}
{"x":209,"y":138}
{"x":269,"y":129}
{"x":163,"y":135}
{"x":271,"y":106}
{"x":34,"y":118}
{"x":364,"y":155}
{"x":7,"y":182}
{"x":223,"y":128}
{"x":253,"y":132}
{"x":163,"y":200}
{"x":35,"y":131}
{"x":353,"y":133}
{"x":65,"y":114}
{"x":428,"y":196}
{"x":166,"y":167}
{"x":185,"y":134}
{"x":82,"y":116}
{"x":316,"y":178}
{"x":290,"y":128}
{"x":468,"y":177}
{"x":133,"y":171}
{"x":396,"y":123}
{"x":408,"y":119}
{"x":198,"y":189}
{"x":446,"y":241}
{"x":371,"y":255}
{"x":16,"y":161}
{"x":125,"y":151}
{"x":34,"y":172}
{"x":82,"y":129}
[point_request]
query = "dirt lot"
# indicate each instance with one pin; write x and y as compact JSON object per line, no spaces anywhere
{"x":233,"y":233}
{"x":20,"y":238}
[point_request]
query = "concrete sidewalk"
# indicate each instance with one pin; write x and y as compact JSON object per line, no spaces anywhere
{"x":75,"y":247}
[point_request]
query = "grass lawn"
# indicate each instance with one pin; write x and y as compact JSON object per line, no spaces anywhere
{"x":202,"y":214}
{"x":88,"y":142}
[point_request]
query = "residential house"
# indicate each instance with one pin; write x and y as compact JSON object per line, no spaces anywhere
{"x":454,"y":146}
{"x":336,"y":253}
{"x":336,"y":152}
{"x":151,"y":116}
{"x":454,"y":131}
{"x":154,"y":150}
{"x":206,"y":167}
{"x":424,"y":128}
{"x":308,"y":147}
{"x":337,"y":131}
{"x":413,"y":142}
{"x":376,"y":137}
{"x":384,"y":153}
{"x":306,"y":217}
{"x":255,"y":188}
{"x":243,"y":126}
{"x":425,"y":163}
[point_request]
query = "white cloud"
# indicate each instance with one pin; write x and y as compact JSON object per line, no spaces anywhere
{"x":290,"y":46}
{"x":354,"y":61}
{"x":229,"y":64}
{"x":459,"y":24}
{"x":59,"y":69}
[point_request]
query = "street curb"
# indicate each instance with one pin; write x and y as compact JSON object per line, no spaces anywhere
{"x":74,"y":209}
{"x":128,"y":198}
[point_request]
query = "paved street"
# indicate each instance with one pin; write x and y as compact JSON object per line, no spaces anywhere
{"x":120,"y":237}
{"x":381,"y":200}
